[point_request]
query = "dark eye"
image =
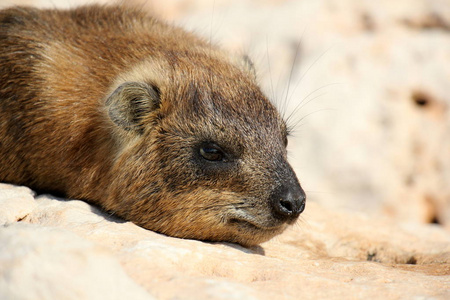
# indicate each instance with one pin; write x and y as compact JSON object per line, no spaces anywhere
{"x":212,"y":152}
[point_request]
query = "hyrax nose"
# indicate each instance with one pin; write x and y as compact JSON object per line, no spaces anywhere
{"x":288,"y":202}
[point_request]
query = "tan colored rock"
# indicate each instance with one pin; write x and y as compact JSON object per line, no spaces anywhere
{"x":15,"y":203}
{"x":39,"y":262}
{"x":325,"y":255}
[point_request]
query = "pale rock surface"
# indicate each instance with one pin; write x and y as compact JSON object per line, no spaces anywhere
{"x":327,"y":254}
{"x":40,"y":262}
{"x":15,"y":203}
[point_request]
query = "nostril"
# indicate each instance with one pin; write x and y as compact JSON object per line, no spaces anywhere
{"x":286,"y":208}
{"x":286,"y":205}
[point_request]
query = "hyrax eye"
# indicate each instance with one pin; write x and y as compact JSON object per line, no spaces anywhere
{"x":212,"y":152}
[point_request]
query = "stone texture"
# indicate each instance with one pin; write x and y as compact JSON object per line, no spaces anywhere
{"x":327,"y":254}
{"x":367,"y":83}
{"x":39,"y":262}
{"x":15,"y":203}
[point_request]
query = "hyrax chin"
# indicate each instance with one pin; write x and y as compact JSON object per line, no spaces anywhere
{"x":150,"y":122}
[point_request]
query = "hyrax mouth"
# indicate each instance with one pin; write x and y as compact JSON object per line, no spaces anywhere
{"x":283,"y":207}
{"x":242,"y":223}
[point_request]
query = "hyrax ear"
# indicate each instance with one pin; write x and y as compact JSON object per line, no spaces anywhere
{"x":244,"y":63}
{"x":248,"y":64}
{"x":130,"y":102}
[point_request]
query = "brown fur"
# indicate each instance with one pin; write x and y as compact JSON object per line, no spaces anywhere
{"x":66,"y":128}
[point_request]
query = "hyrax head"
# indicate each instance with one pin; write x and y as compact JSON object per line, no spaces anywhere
{"x":201,"y":153}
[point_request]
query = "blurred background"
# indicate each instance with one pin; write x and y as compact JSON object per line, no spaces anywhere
{"x":365,"y":86}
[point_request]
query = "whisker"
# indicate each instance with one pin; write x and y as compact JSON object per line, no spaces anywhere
{"x":305,"y":102}
{"x":211,"y":27}
{"x":293,"y":127}
{"x":293,"y":65}
{"x":295,"y":111}
{"x":302,"y":223}
{"x":270,"y":70}
{"x":308,"y":69}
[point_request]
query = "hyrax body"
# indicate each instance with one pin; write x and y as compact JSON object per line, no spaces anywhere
{"x":145,"y":120}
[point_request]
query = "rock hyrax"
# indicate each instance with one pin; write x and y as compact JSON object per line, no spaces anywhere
{"x":150,"y":122}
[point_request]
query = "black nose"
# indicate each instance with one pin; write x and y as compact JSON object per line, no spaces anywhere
{"x":288,"y":202}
